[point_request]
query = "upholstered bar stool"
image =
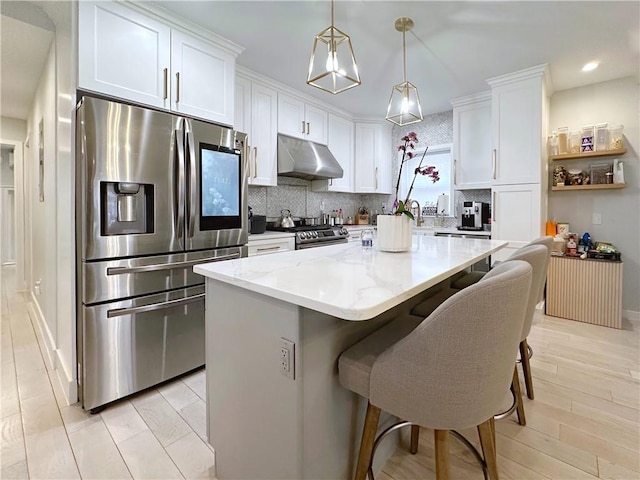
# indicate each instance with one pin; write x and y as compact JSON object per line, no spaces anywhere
{"x":472,"y":277}
{"x":450,"y":371}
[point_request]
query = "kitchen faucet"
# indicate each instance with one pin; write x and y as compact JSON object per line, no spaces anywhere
{"x":419,"y":219}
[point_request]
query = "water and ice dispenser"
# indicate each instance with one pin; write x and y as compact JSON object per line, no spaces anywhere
{"x":126,"y":208}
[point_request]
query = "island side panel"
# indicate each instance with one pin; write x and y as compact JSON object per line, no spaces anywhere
{"x":334,"y":416}
{"x":253,"y":410}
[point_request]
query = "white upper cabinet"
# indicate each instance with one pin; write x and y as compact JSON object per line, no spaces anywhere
{"x":123,"y":53}
{"x":472,"y":142}
{"x":373,"y":158}
{"x":256,"y":114}
{"x":202,"y":79}
{"x":301,"y":120}
{"x":519,"y":125}
{"x":340,"y":138}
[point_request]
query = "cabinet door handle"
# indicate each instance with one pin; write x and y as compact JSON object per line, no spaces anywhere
{"x":376,"y":178}
{"x":493,"y":163}
{"x":307,"y":128}
{"x":255,"y":162}
{"x":266,"y":249}
{"x":247,"y":156}
{"x":455,"y":171}
{"x":331,"y":182}
{"x":494,"y":209}
{"x":166,"y":83}
{"x":177,"y":87}
{"x":303,"y":127}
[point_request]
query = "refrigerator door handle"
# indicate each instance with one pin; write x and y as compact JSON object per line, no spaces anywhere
{"x":179,"y":193}
{"x":193,"y":192}
{"x":118,"y":312}
{"x":167,"y":266}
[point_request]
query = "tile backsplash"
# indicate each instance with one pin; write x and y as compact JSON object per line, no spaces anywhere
{"x":296,"y":194}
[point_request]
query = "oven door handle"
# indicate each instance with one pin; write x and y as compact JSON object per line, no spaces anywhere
{"x":325,"y":243}
{"x":118,"y":312}
{"x":167,"y":266}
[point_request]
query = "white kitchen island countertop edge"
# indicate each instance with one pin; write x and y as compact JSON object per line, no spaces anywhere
{"x":348,"y":283}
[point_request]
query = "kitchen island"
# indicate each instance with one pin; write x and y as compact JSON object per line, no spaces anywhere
{"x":275,"y":326}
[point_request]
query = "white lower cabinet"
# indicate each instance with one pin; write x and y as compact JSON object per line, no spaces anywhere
{"x":271,"y":245}
{"x":517,"y":216}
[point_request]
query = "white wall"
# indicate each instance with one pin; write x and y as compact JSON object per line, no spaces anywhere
{"x":65,"y":201}
{"x":615,"y":102}
{"x":13,"y":129}
{"x":41,"y":216}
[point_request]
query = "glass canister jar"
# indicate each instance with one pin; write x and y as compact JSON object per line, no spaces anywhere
{"x":602,"y":137}
{"x":563,"y":141}
{"x":587,"y":138}
{"x":552,"y":144}
{"x":615,"y":135}
{"x":575,"y":142}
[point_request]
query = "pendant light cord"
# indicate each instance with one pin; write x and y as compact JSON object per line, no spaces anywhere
{"x":404,"y":51}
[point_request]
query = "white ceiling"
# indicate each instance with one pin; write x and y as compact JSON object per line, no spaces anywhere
{"x":23,"y":52}
{"x":453,"y":48}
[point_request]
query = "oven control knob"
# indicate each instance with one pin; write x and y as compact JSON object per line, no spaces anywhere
{"x":301,"y":235}
{"x":313,"y":234}
{"x":344,"y":231}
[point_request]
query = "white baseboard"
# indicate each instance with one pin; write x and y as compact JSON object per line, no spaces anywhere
{"x":45,"y":339}
{"x":53,"y":362}
{"x":631,"y":315}
{"x":68,"y":384}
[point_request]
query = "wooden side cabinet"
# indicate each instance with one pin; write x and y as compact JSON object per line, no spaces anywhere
{"x":587,"y":290}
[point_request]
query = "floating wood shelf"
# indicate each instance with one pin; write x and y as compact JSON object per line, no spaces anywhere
{"x":603,"y":186}
{"x":577,"y":156}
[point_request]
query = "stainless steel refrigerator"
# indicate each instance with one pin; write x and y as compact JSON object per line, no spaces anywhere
{"x":155,"y":194}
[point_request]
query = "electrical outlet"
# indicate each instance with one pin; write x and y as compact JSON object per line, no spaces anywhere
{"x":287,"y":358}
{"x":596,"y":219}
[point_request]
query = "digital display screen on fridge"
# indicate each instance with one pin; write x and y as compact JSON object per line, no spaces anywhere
{"x":220,"y":188}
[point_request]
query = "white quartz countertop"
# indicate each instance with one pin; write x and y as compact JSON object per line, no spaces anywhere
{"x":270,"y":236}
{"x":346,"y":282}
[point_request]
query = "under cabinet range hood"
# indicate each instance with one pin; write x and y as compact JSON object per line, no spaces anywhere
{"x":305,"y":159}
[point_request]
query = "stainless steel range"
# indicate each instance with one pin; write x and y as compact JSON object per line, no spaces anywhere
{"x":316,"y":236}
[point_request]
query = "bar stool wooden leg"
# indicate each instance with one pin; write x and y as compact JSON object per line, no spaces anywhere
{"x":487,"y":442}
{"x":415,"y":438}
{"x":515,"y":385}
{"x":441,"y":438}
{"x":526,"y":367}
{"x":366,"y":444}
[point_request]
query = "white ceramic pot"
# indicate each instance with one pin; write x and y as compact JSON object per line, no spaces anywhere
{"x":394,"y":233}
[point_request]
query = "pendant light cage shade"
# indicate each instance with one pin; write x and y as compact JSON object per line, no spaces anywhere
{"x":332,"y":66}
{"x":404,"y":105}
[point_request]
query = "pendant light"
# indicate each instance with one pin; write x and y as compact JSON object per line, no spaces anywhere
{"x":404,"y":104}
{"x":332,"y":66}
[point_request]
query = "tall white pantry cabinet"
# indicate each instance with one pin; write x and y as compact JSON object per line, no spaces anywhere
{"x":519,"y":120}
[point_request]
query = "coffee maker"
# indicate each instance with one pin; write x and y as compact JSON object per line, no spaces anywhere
{"x":474,"y":215}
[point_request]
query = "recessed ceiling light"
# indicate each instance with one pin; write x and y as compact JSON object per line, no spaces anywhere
{"x":590,"y":66}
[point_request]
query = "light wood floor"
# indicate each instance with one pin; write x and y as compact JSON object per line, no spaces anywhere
{"x":584,"y":422}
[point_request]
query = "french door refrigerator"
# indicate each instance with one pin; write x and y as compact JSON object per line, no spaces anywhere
{"x":155,"y":194}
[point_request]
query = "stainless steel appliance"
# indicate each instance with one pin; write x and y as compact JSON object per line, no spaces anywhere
{"x":155,"y":195}
{"x":310,"y":236}
{"x":474,"y":215}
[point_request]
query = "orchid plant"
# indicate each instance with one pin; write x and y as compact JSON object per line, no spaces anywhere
{"x":407,"y":148}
